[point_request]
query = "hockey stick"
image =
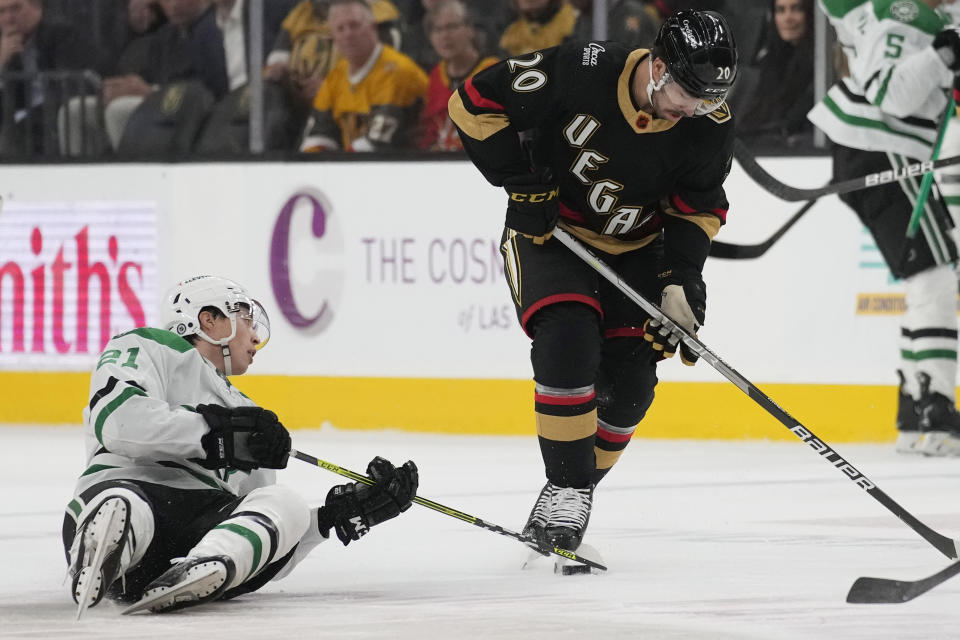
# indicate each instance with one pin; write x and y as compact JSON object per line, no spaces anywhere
{"x":728,"y":251}
{"x":942,"y":543}
{"x":793,"y":194}
{"x":453,"y":513}
{"x":921,"y":204}
{"x":885,"y":591}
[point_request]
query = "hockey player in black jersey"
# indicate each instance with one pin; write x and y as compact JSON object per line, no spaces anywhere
{"x":627,"y":150}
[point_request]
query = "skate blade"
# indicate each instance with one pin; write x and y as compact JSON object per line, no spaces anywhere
{"x":92,"y":575}
{"x":204,"y":579}
{"x":533,"y":559}
{"x":565,"y":567}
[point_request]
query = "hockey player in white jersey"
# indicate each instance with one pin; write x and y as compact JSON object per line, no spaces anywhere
{"x":178,"y":504}
{"x":903,"y":58}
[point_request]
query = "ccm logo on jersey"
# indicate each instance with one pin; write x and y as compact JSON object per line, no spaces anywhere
{"x":543,"y":196}
{"x":590,"y":53}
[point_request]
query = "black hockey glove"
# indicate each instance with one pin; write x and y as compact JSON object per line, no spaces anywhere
{"x":947,"y":45}
{"x":532,"y":208}
{"x":684,"y":300}
{"x":351,"y":509}
{"x":244,"y":438}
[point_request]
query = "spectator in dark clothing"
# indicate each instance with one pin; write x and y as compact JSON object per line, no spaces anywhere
{"x":188,"y":47}
{"x":32,"y":43}
{"x":233,"y":20}
{"x":773,"y":111}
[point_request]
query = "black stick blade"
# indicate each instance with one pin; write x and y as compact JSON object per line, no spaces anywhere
{"x":880,"y":591}
{"x":885,"y":591}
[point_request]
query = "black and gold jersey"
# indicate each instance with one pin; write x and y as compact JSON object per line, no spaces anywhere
{"x":377,"y":108}
{"x":623,"y":174}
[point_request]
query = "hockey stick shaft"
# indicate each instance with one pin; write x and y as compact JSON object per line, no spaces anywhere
{"x":783,"y":191}
{"x":448,"y":511}
{"x":942,"y":543}
{"x":727,"y":251}
{"x":886,"y":591}
{"x":921,"y":204}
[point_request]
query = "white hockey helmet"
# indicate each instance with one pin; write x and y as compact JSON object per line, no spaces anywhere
{"x":184,"y":302}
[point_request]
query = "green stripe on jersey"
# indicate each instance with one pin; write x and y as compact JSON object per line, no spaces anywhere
{"x":75,"y":508}
{"x":98,"y":467}
{"x":868,"y":123}
{"x":161,"y":336}
{"x":928,"y":354}
{"x":840,"y":8}
{"x":882,"y":93}
{"x":128,"y":393}
{"x":254,"y":542}
{"x":912,"y":12}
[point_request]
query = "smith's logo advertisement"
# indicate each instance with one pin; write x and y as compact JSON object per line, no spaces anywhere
{"x":71,"y":276}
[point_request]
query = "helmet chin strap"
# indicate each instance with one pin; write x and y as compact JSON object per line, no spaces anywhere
{"x":655,"y":86}
{"x":227,"y":363}
{"x":224,"y":344}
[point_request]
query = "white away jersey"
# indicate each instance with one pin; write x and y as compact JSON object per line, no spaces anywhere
{"x":140,"y":423}
{"x":896,"y":92}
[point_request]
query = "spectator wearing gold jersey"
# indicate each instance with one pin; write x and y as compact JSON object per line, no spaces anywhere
{"x":303,"y":53}
{"x":372,"y":97}
{"x":453,"y":37}
{"x":540,"y":24}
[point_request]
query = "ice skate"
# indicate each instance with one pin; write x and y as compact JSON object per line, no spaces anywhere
{"x":101,"y":552}
{"x":908,"y":423}
{"x":538,"y":517}
{"x":939,"y":426}
{"x":908,"y":442}
{"x":569,"y":515}
{"x":189,"y":582}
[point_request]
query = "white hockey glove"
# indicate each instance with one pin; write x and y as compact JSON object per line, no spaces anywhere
{"x":685,"y":304}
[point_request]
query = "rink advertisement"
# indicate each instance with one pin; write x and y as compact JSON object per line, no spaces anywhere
{"x":389,"y":308}
{"x":71,"y":275}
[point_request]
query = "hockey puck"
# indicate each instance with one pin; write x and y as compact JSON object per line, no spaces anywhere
{"x":574,"y":569}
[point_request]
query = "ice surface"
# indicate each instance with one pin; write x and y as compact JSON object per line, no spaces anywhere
{"x":704,"y":539}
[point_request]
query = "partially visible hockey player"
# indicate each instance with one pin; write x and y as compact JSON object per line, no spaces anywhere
{"x":619,"y":159}
{"x":178,"y":503}
{"x":903,"y":58}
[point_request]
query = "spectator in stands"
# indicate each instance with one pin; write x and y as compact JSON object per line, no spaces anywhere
{"x":233,"y":20}
{"x":189,"y":46}
{"x":773,"y":113}
{"x":303,"y":53}
{"x":489,"y":19}
{"x":628,"y":21}
{"x":540,"y":24}
{"x":454,"y":38}
{"x":371,"y":99}
{"x":32,"y":43}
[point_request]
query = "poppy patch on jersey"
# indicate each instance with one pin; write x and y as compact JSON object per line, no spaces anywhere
{"x":643,"y":121}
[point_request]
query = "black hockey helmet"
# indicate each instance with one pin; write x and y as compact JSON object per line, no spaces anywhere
{"x":699,"y":51}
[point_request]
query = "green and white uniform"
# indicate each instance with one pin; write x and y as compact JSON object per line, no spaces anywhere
{"x":885,"y":114}
{"x":896,"y":91}
{"x":140,"y":423}
{"x":143,"y":443}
